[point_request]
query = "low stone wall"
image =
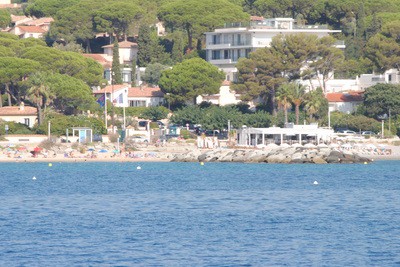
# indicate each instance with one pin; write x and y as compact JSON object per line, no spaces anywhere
{"x":23,"y":139}
{"x":278,"y":155}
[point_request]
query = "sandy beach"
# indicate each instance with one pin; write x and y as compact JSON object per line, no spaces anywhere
{"x":144,"y":153}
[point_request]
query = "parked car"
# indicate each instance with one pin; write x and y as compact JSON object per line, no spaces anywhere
{"x":346,"y":131}
{"x":368,"y":133}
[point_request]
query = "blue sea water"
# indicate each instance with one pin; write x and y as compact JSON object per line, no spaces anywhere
{"x":186,"y":214}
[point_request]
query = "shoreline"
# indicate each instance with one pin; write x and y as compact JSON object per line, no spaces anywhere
{"x":148,"y":153}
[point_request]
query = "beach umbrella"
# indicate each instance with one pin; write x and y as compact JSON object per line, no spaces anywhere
{"x":103,"y":150}
{"x":91,"y":149}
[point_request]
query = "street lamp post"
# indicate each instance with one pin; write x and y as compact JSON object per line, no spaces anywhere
{"x":105,"y":108}
{"x":112,"y":101}
{"x":123,"y":108}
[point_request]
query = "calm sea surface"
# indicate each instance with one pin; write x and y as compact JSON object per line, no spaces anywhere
{"x":185,"y":214}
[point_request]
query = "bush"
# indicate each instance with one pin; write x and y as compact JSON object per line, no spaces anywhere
{"x":113,"y":137}
{"x":47,"y":144}
{"x":185,"y":134}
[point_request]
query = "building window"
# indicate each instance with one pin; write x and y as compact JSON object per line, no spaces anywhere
{"x":226,"y":54}
{"x":137,"y":103}
{"x":216,"y":54}
{"x":26,"y":121}
{"x":390,"y":77}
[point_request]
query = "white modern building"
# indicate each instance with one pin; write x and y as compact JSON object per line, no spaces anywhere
{"x":224,"y":46}
{"x":292,"y":134}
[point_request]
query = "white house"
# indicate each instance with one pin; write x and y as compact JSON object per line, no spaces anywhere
{"x":127,"y":51}
{"x":224,"y":46}
{"x":5,"y":2}
{"x":117,"y":94}
{"x":20,"y":114}
{"x":225,"y":97}
{"x":344,"y":102}
{"x":28,"y":31}
{"x":145,"y":97}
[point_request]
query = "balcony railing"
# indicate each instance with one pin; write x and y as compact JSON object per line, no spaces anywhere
{"x":244,"y":43}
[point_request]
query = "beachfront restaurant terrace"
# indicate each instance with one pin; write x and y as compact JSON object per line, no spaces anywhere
{"x":291,"y":134}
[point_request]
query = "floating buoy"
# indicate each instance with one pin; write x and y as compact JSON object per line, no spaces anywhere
{"x":315,"y":183}
{"x":33,"y":178}
{"x":50,"y":164}
{"x":201,"y":163}
{"x":138,"y":168}
{"x":365,"y":162}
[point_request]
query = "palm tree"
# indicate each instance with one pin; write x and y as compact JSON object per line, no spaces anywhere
{"x":314,"y":102}
{"x":282,"y":95}
{"x":39,"y":93}
{"x":297,"y":93}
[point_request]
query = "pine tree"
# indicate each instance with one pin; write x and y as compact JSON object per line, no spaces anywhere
{"x":177,"y":50}
{"x":144,"y":46}
{"x":116,"y":75}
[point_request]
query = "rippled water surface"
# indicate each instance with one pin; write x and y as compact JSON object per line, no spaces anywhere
{"x":185,"y":214}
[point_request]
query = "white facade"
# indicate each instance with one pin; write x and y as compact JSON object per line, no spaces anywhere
{"x":5,"y":2}
{"x":127,"y":52}
{"x":345,"y":107}
{"x":28,"y":31}
{"x":225,"y":97}
{"x":226,"y":45}
{"x":360,"y":83}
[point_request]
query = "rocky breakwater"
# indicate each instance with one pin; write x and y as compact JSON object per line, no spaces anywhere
{"x":275,"y":155}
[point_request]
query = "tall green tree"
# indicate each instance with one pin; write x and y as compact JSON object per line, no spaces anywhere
{"x":115,"y":18}
{"x":144,"y":46}
{"x":189,"y":79}
{"x":12,"y":72}
{"x":153,"y":73}
{"x":71,"y":95}
{"x":116,"y":75}
{"x":5,"y":18}
{"x":315,"y":104}
{"x":47,"y":8}
{"x":39,"y":93}
{"x":196,"y":17}
{"x":74,"y":24}
{"x":384,"y":52}
{"x":283,"y":98}
{"x":381,"y":98}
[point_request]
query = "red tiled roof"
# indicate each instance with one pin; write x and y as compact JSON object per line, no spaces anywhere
{"x":145,"y":92}
{"x":256,"y":18}
{"x":35,"y":29}
{"x":345,"y":97}
{"x":99,"y":58}
{"x":41,"y":21}
{"x":111,"y":88}
{"x":123,"y":44}
{"x":15,"y":18}
{"x":16,"y":111}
